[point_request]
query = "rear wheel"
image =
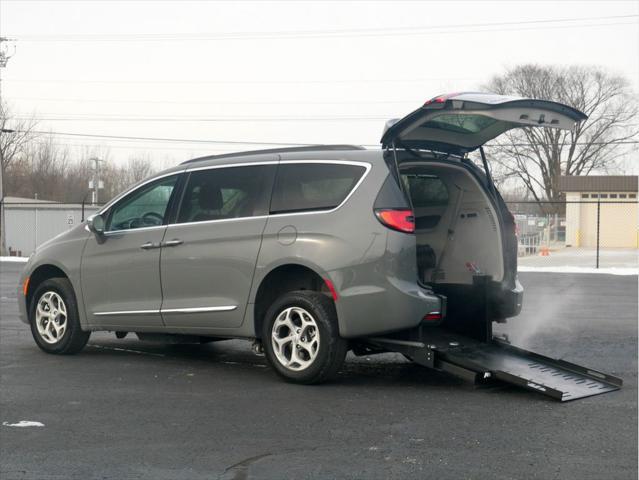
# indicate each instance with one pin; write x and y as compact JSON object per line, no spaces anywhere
{"x":53,"y":315}
{"x":301,"y":339}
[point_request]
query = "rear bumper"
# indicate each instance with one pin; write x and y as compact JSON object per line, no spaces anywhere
{"x":364,"y":311}
{"x":509,"y":302}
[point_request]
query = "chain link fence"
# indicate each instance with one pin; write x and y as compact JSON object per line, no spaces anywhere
{"x":594,"y":232}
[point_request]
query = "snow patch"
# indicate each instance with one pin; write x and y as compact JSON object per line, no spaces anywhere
{"x":23,"y":424}
{"x":14,"y":259}
{"x":570,"y":269}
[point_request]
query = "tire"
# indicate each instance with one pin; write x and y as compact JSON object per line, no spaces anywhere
{"x":61,"y":334}
{"x":320,"y":351}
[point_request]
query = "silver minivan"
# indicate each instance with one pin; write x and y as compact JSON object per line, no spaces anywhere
{"x":306,"y":251}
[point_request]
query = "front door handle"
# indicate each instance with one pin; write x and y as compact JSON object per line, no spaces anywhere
{"x":149,"y":245}
{"x":173,"y":243}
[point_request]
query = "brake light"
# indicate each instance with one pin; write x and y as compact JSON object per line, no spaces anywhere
{"x":398,"y":219}
{"x":440,"y":98}
{"x":433,"y":317}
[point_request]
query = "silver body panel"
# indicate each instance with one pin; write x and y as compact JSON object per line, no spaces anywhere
{"x":207,"y":284}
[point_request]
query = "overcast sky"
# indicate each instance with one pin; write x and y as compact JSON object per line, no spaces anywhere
{"x":291,"y":72}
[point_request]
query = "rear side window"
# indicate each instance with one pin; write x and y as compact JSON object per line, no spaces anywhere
{"x":313,"y":186}
{"x":222,"y":193}
{"x":425,"y":190}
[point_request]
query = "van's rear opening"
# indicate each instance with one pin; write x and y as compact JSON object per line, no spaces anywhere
{"x":466,"y":243}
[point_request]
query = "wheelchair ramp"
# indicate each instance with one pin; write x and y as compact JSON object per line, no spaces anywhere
{"x":485,"y":362}
{"x":558,"y":379}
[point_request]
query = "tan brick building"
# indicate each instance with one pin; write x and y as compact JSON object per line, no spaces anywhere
{"x":618,"y":214}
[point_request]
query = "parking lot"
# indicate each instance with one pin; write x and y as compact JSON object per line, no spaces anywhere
{"x":124,"y":409}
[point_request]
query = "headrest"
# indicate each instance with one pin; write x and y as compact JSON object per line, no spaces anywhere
{"x":210,"y":197}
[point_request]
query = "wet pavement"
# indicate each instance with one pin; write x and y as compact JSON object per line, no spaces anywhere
{"x":125,"y":409}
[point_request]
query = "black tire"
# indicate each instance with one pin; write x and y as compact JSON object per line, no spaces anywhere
{"x":331,"y":350}
{"x":73,"y":339}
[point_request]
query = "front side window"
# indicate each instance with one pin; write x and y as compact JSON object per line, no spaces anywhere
{"x":145,"y":207}
{"x":223,"y":193}
{"x":313,"y":186}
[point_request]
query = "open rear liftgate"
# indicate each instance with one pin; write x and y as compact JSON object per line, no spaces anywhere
{"x":486,"y":359}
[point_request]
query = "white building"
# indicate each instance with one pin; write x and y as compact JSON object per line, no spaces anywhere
{"x":614,"y":197}
{"x":30,"y":222}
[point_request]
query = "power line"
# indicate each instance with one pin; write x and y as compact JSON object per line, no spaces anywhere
{"x":209,"y":119}
{"x":253,"y":142}
{"x":179,"y":140}
{"x":222,"y":102}
{"x":238,"y":82}
{"x":296,"y":34}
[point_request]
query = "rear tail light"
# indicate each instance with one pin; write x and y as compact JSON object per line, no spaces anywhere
{"x":398,"y":219}
{"x":433,"y":317}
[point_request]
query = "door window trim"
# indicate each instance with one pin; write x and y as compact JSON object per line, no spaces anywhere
{"x":367,"y":166}
{"x":173,"y":219}
{"x":183,"y":174}
{"x":177,"y":188}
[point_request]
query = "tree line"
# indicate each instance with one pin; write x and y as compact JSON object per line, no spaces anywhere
{"x":39,"y":166}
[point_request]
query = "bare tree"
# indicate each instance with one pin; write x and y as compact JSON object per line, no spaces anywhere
{"x":539,"y":156}
{"x":47,"y":165}
{"x":14,"y":136}
{"x":136,"y":169}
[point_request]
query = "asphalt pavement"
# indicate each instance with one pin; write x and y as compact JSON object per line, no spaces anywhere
{"x":125,"y":409}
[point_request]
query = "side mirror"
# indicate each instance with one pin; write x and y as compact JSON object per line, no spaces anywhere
{"x":95,"y":223}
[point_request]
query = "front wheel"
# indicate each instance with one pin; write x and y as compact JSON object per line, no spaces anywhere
{"x":301,"y":338}
{"x":53,"y":316}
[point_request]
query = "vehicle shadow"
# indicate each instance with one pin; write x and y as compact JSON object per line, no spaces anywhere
{"x":387,"y":370}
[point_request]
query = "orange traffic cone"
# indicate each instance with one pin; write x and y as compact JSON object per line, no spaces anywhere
{"x":545,"y":251}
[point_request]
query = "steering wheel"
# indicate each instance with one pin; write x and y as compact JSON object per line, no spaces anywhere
{"x":153,"y":218}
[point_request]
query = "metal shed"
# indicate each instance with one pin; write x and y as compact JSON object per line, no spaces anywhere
{"x":601,"y":209}
{"x":30,"y":222}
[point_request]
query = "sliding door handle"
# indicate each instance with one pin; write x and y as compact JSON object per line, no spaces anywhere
{"x":149,"y":246}
{"x":173,"y":243}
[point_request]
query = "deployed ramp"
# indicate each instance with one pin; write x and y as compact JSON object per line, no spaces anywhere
{"x":484,"y":362}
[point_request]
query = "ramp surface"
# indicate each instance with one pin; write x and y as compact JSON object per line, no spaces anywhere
{"x":558,"y":379}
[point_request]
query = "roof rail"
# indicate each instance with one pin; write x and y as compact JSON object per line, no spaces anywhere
{"x":309,"y":148}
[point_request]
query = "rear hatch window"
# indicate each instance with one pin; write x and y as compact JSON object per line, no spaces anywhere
{"x":461,"y":123}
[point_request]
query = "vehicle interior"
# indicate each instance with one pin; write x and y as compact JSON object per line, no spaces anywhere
{"x":459,"y":243}
{"x":456,"y":225}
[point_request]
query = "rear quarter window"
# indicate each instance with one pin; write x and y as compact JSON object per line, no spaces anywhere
{"x":313,"y":186}
{"x":425,"y":190}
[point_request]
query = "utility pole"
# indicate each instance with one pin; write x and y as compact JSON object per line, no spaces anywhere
{"x":96,"y":183}
{"x":4,"y":58}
